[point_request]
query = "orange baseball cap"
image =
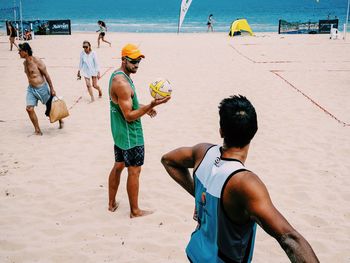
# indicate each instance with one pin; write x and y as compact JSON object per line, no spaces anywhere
{"x":131,"y":51}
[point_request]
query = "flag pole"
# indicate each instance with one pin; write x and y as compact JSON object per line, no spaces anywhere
{"x":14,"y":11}
{"x":178,"y":23}
{"x":185,"y":4}
{"x":20,"y":14}
{"x":347,"y":19}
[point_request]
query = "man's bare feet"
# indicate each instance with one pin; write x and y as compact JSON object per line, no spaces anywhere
{"x":38,"y":132}
{"x":113,"y":207}
{"x":92,"y":100}
{"x":61,"y":124}
{"x":100,"y":93}
{"x":140,"y":212}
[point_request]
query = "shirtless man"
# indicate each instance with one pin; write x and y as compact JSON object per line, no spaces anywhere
{"x":39,"y":80}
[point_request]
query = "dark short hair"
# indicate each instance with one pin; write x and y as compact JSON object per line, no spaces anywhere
{"x":26,"y":47}
{"x":238,"y":121}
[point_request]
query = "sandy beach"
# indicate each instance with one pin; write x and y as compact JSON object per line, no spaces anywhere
{"x":53,"y":188}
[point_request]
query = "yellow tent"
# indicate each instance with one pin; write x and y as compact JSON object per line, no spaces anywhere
{"x":238,"y":26}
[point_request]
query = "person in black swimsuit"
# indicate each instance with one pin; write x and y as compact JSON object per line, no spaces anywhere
{"x":210,"y":23}
{"x":13,"y":34}
{"x":101,"y":35}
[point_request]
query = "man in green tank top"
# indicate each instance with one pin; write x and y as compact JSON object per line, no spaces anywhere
{"x":126,"y":113}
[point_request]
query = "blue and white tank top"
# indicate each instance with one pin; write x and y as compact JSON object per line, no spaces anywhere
{"x":217,"y":239}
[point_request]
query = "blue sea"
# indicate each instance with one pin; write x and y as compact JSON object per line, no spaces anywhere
{"x":162,"y":15}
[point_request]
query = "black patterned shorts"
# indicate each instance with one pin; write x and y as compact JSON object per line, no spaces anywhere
{"x":131,"y":157}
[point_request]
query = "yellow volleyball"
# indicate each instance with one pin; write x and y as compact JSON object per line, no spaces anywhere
{"x":160,"y":88}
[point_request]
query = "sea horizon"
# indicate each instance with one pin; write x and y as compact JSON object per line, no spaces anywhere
{"x":162,"y":16}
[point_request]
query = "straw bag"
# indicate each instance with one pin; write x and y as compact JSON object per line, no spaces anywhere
{"x":58,"y":110}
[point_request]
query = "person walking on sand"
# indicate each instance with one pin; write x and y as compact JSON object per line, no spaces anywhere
{"x":89,"y":68}
{"x":230,"y":199}
{"x":210,"y":23}
{"x":125,"y":114}
{"x":13,"y":34}
{"x":102,"y":32}
{"x":40,"y":85}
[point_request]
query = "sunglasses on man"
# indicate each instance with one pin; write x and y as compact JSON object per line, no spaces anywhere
{"x":133,"y":61}
{"x":85,"y":47}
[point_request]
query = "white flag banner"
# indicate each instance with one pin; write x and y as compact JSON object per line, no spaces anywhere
{"x":185,"y":5}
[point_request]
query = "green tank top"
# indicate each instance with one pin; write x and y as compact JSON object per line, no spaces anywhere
{"x":126,"y":135}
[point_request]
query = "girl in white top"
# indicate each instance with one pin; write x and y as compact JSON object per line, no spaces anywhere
{"x":88,"y":68}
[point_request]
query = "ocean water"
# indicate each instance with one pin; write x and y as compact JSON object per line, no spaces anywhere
{"x":162,"y":15}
